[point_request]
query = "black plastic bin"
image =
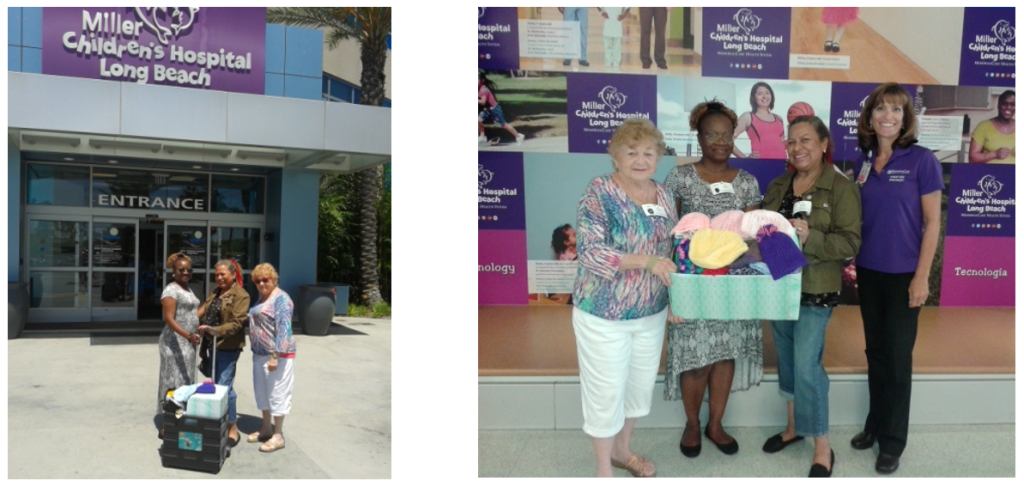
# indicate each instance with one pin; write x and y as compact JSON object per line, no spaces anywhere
{"x":315,"y":308}
{"x":17,"y":308}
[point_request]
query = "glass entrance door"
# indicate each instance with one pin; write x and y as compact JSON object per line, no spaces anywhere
{"x":114,"y":251}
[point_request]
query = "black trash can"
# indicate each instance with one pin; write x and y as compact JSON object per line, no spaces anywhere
{"x":315,"y":309}
{"x":340,"y":297}
{"x":17,"y":308}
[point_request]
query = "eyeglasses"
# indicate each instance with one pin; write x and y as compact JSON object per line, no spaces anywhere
{"x":713,"y":137}
{"x":265,"y":280}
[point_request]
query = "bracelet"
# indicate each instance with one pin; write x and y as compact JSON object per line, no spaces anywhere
{"x":650,"y":263}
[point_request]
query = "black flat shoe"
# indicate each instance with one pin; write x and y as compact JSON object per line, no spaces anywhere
{"x":887,"y":463}
{"x":819,"y":471}
{"x":835,"y":47}
{"x":863,"y":440}
{"x":234,"y":442}
{"x":775,"y":443}
{"x":828,"y":46}
{"x":727,"y":448}
{"x":688,"y":451}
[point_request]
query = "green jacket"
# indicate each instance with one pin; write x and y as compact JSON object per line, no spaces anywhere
{"x":234,"y":309}
{"x":834,"y":226}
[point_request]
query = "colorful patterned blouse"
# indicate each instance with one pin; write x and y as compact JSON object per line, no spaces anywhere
{"x":270,"y":325}
{"x":609,"y":226}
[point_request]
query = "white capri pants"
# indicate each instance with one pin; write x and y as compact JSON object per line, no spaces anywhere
{"x":618,"y":366}
{"x":273,"y":390}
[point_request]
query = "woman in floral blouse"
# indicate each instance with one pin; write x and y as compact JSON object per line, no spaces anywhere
{"x":273,"y":356}
{"x":623,"y":240}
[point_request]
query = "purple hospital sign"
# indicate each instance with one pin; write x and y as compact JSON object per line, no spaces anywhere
{"x":197,"y":47}
{"x":989,"y":54}
{"x":982,"y":201}
{"x":747,"y":42}
{"x":599,"y":103}
{"x":498,"y":38}
{"x":501,"y":203}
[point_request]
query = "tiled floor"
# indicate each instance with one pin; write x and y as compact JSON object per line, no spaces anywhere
{"x":946,"y":451}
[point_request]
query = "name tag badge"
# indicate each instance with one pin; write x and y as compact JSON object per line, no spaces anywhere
{"x":721,"y":188}
{"x":655,"y":210}
{"x":802,"y":206}
{"x":864,"y":170}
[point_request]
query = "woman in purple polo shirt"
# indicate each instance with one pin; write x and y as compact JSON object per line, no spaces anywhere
{"x":901,"y":192}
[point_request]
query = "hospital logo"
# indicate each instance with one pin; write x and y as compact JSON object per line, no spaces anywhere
{"x":177,"y":20}
{"x":612,"y":97}
{"x":990,"y":186}
{"x":747,"y":20}
{"x":484,"y":176}
{"x":1004,"y":31}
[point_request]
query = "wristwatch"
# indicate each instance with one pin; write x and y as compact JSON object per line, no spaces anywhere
{"x":273,"y":355}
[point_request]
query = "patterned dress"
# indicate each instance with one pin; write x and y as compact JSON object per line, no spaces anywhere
{"x":177,"y":355}
{"x":698,"y":343}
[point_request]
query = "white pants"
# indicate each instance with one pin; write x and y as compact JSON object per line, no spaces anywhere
{"x":618,"y":366}
{"x":273,"y":389}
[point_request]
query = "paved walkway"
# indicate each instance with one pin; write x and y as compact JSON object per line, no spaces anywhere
{"x":82,"y":406}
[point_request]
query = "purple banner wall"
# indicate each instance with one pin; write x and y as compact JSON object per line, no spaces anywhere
{"x":498,"y":38}
{"x":988,"y":55}
{"x":207,"y":48}
{"x":746,"y":42}
{"x":765,"y":171}
{"x":978,"y":272}
{"x":982,"y":201}
{"x":501,"y":268}
{"x":599,"y":103}
{"x":501,"y":201}
{"x":847,"y":102}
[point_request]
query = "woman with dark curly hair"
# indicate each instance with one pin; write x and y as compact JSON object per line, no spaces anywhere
{"x":177,"y":354}
{"x":718,"y":356}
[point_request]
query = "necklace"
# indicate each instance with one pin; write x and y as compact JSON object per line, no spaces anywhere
{"x":705,"y":167}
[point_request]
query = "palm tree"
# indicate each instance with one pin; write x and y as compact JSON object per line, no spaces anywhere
{"x":371,"y":27}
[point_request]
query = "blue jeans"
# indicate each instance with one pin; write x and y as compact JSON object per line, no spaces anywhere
{"x":802,"y":378}
{"x":582,"y":15}
{"x":225,"y":375}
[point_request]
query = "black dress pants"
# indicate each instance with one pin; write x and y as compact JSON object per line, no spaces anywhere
{"x":659,"y":17}
{"x":890,"y":329}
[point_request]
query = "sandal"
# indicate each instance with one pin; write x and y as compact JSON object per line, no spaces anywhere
{"x":271,"y":446}
{"x":256,"y":438}
{"x":637,"y":466}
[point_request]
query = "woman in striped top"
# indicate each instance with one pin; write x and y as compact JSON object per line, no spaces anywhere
{"x":623,"y":240}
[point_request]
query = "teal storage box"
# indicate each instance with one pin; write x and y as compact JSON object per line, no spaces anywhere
{"x":736,"y":298}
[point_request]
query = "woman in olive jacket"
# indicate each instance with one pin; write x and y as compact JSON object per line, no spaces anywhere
{"x":225,"y":309}
{"x":824,"y":207}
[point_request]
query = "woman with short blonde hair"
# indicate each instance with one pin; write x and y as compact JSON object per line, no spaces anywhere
{"x":273,"y":356}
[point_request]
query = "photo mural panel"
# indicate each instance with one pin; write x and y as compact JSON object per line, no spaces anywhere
{"x":637,"y":40}
{"x":748,"y":42}
{"x":989,"y":48}
{"x":566,"y":114}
